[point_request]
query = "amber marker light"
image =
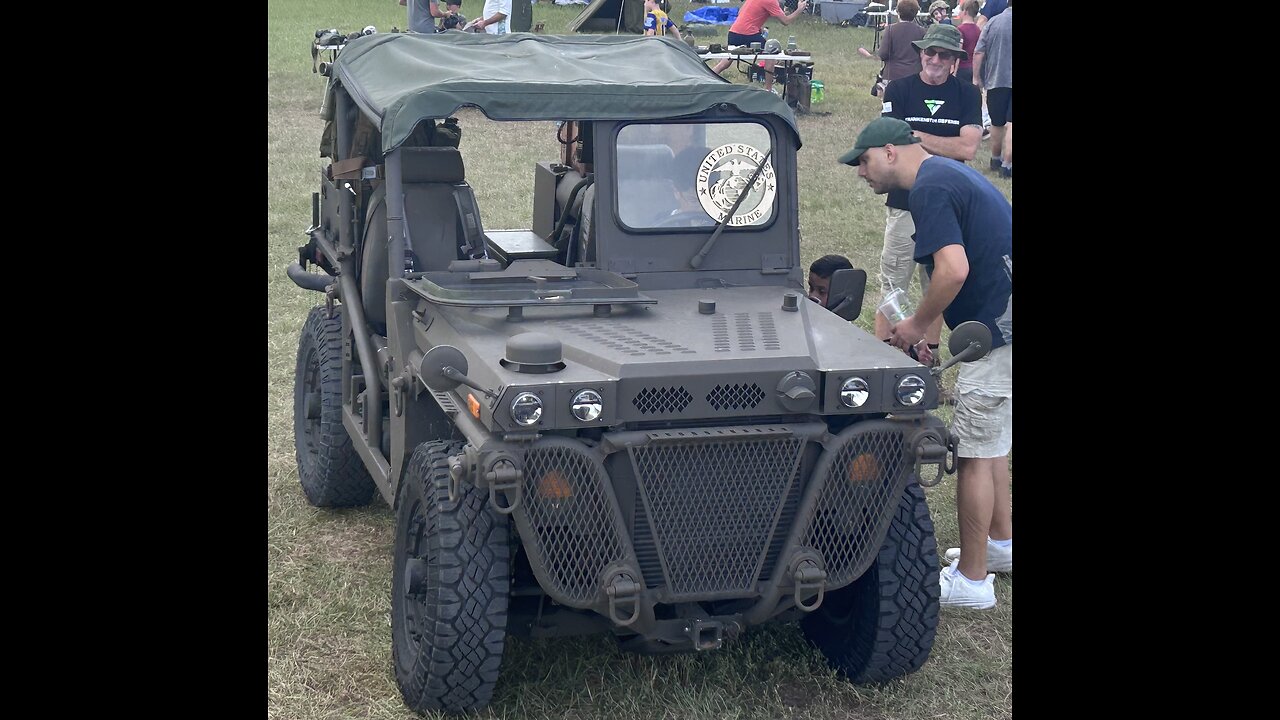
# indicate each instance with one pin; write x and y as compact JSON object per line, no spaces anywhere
{"x":473,"y":405}
{"x":864,"y":468}
{"x":553,"y":486}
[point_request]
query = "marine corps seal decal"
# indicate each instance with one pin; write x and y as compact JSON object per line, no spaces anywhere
{"x":723,"y":176}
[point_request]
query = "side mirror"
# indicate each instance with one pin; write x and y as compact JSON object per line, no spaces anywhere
{"x":444,"y":368}
{"x":970,"y":341}
{"x":844,"y":297}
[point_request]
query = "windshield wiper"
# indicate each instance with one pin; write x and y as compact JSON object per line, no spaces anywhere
{"x":696,"y":260}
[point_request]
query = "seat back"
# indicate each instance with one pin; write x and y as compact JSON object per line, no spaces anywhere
{"x":442,"y":220}
{"x":442,"y":223}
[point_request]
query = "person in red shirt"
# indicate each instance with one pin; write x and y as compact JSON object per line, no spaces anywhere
{"x":747,"y":29}
{"x":969,"y":30}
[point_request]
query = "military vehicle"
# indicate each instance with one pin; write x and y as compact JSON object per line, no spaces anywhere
{"x":625,"y":418}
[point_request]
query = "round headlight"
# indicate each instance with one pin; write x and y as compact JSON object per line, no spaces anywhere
{"x":587,"y":405}
{"x":854,"y":392}
{"x":911,"y":390}
{"x":526,"y":408}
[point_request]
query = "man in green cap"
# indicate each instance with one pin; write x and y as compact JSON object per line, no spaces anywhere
{"x":964,"y":239}
{"x":947,"y":117}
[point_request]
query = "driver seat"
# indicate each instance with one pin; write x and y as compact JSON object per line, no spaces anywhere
{"x":442,"y":223}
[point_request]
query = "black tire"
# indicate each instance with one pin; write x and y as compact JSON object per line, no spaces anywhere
{"x":447,"y":638}
{"x":882,"y":626}
{"x":329,"y":469}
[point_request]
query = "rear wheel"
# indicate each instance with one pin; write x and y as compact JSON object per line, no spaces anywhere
{"x":882,"y":626}
{"x":449,"y":587}
{"x":329,"y":469}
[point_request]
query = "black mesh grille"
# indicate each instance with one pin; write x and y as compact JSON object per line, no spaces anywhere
{"x":854,"y":507}
{"x":662,"y":400}
{"x":575,"y":537}
{"x":714,"y":507}
{"x":788,"y":517}
{"x":645,"y":548}
{"x":735,"y":397}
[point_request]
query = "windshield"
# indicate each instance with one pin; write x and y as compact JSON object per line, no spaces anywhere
{"x":690,"y":175}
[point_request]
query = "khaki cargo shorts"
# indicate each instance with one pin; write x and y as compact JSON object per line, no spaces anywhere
{"x":898,"y":255}
{"x":984,"y":405}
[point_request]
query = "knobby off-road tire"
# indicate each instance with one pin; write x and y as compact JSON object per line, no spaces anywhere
{"x":882,"y":626}
{"x":329,"y":468}
{"x":449,"y":587}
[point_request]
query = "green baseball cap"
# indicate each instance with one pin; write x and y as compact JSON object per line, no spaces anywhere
{"x":941,"y":35}
{"x":878,"y":133}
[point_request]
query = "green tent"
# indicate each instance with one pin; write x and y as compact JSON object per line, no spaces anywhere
{"x":610,"y":16}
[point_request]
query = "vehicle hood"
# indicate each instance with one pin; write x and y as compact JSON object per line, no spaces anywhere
{"x":749,"y":329}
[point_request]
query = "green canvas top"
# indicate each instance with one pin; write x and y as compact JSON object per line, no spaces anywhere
{"x":402,"y":78}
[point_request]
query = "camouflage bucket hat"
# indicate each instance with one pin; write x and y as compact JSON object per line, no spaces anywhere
{"x":939,"y":4}
{"x":944,"y":37}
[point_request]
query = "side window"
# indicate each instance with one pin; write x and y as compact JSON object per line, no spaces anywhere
{"x":689,"y":175}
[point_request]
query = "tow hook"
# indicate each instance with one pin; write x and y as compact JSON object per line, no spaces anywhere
{"x":931,"y":449}
{"x":506,"y":478}
{"x":809,"y":577}
{"x":623,"y":591}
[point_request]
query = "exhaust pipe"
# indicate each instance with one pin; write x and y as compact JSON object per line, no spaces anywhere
{"x":309,"y":280}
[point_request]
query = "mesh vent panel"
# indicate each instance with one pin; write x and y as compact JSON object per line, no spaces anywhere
{"x":735,"y":397}
{"x":662,"y":400}
{"x":575,"y":536}
{"x":714,"y":508}
{"x":854,"y":506}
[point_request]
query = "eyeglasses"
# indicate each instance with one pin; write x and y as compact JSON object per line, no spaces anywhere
{"x":944,"y":54}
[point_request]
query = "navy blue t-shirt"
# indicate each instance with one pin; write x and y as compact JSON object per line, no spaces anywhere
{"x":994,"y":8}
{"x":953,"y":204}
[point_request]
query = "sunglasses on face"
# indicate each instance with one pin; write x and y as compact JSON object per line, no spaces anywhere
{"x":946,"y":55}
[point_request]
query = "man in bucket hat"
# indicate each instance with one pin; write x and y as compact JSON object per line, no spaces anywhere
{"x":946,"y":116}
{"x":964,"y":238}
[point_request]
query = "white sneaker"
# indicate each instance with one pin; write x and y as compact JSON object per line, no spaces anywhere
{"x":998,"y":559}
{"x":958,"y":592}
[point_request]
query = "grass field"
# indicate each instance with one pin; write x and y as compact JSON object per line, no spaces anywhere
{"x":329,"y":572}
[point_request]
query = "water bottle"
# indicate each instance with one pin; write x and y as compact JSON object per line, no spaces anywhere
{"x":791,"y":43}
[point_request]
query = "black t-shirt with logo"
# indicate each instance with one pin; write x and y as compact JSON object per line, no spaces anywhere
{"x":936,"y":109}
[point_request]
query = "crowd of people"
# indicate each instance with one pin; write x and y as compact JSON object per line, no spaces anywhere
{"x":424,"y":14}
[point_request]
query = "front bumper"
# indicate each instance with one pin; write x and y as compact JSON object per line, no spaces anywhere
{"x":769,"y":515}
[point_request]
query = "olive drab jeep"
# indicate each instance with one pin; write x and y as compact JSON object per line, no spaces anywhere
{"x":625,"y":418}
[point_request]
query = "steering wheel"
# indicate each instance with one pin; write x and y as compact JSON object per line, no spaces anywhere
{"x":686,"y":219}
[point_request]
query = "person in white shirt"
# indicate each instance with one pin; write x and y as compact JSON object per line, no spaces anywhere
{"x":493,"y":19}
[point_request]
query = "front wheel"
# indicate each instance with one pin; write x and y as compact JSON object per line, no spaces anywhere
{"x":450,"y":584}
{"x":882,"y":626}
